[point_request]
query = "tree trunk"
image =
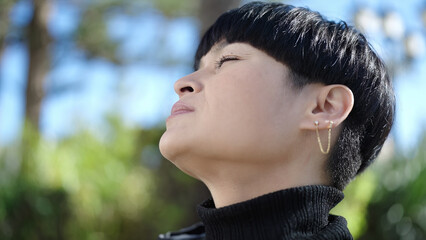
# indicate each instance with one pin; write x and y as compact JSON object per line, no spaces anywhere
{"x":4,"y":24}
{"x":210,"y":10}
{"x":39,"y":60}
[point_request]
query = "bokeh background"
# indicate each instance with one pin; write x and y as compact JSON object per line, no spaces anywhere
{"x":85,"y":87}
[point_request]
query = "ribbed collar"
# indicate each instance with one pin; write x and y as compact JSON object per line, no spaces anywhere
{"x":294,"y":213}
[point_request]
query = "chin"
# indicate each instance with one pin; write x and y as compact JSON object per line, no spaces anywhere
{"x":166,"y":146}
{"x":176,"y":152}
{"x":171,"y":146}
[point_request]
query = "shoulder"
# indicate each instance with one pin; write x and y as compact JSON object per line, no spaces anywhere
{"x":194,"y":232}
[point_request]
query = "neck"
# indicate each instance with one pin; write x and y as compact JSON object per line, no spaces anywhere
{"x":243,"y":181}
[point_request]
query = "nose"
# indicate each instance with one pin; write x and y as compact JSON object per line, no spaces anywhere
{"x":186,"y":85}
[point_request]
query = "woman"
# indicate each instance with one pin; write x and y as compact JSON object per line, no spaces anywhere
{"x":283,"y":110}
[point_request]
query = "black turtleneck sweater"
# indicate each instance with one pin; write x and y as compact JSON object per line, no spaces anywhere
{"x":296,"y":213}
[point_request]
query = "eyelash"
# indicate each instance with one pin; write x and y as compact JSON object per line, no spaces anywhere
{"x":224,"y":59}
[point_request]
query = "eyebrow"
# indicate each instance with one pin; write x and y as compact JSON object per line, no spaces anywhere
{"x":216,"y":49}
{"x":219,"y":46}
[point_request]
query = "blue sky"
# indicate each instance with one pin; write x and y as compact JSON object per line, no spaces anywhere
{"x":142,"y":92}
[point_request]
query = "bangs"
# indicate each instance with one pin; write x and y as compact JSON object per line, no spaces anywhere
{"x":252,"y":24}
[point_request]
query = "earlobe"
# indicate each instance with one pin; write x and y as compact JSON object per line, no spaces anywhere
{"x":329,"y":103}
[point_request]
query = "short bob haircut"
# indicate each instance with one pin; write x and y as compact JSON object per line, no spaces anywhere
{"x":319,"y":51}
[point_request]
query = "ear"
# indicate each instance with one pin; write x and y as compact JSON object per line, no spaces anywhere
{"x":328,"y":103}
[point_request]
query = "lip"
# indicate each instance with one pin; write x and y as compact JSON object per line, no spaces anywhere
{"x":180,"y":108}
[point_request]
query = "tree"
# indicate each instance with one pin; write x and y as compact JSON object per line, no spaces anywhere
{"x":210,"y":10}
{"x":4,"y":22}
{"x":38,"y":42}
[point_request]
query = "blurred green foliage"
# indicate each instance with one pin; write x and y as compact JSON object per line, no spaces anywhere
{"x":354,"y":206}
{"x":388,"y":201}
{"x":398,"y":207}
{"x":115,"y":186}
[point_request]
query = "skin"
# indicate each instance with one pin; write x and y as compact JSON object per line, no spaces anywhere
{"x":250,"y":133}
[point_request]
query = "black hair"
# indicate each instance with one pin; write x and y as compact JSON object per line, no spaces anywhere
{"x":319,"y":51}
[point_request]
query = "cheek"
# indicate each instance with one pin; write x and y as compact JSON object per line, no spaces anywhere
{"x":250,"y":99}
{"x":244,"y":111}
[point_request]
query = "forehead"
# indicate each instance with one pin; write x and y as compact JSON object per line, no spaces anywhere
{"x":218,"y":47}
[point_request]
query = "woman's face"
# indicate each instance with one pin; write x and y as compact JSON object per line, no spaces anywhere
{"x":236,"y":108}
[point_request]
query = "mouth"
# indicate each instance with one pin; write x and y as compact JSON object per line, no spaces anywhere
{"x":180,"y":108}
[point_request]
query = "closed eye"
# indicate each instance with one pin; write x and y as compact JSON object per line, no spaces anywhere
{"x":224,"y":59}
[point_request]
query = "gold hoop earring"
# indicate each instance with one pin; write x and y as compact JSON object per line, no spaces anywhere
{"x":329,"y":137}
